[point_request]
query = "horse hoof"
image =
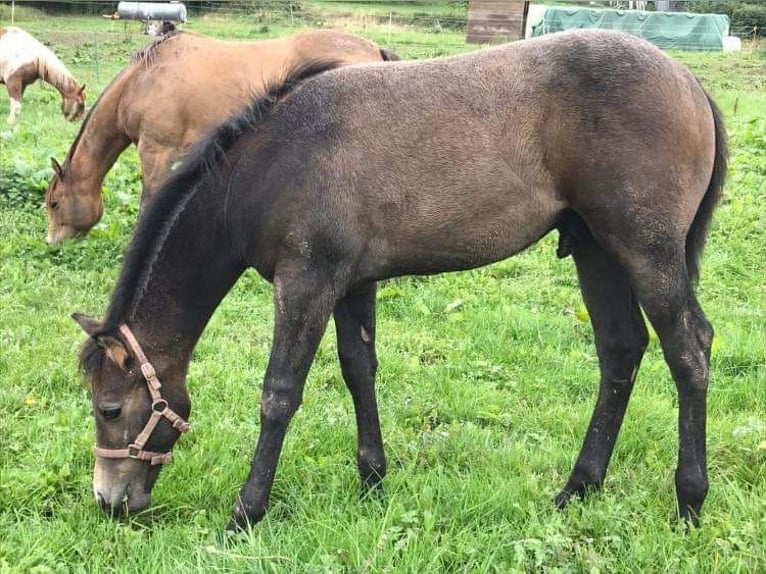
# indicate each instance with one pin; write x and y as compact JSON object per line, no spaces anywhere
{"x":372,"y":492}
{"x":236,"y":527}
{"x":562,"y":499}
{"x":243,"y":520}
{"x":685,"y":521}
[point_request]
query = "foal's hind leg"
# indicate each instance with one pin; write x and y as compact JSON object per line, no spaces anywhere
{"x":621,"y":339}
{"x":355,"y":328}
{"x":686,"y":336}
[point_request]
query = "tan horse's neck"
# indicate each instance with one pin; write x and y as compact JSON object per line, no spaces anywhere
{"x":99,"y":143}
{"x":165,"y":101}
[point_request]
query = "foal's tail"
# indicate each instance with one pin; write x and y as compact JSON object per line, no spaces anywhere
{"x":695,"y":239}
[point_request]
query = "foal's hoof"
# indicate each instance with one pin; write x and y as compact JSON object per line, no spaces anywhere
{"x":374,"y":491}
{"x":563,"y":498}
{"x":685,"y":521}
{"x":242,"y":520}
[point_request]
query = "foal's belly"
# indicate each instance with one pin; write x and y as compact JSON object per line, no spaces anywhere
{"x":459,"y":244}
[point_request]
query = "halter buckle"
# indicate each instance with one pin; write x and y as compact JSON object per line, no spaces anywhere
{"x":159,"y":406}
{"x":147,"y":369}
{"x":134,"y":451}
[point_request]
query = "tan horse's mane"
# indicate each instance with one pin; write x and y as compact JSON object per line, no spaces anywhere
{"x":147,"y":54}
{"x":84,"y":124}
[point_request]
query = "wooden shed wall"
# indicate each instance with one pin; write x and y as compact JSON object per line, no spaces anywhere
{"x":492,"y":21}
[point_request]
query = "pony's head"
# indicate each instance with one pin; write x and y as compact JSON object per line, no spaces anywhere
{"x":138,"y":420}
{"x":73,"y":105}
{"x":71,"y":212}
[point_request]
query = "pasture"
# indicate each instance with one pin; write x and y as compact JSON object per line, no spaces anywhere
{"x":486,"y":383}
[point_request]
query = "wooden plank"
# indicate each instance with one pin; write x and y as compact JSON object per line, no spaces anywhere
{"x":494,"y":21}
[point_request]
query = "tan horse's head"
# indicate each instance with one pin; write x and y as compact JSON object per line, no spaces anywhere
{"x":71,"y":212}
{"x":73,"y":104}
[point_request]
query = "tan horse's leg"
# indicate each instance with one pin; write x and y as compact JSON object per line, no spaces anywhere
{"x":156,"y":164}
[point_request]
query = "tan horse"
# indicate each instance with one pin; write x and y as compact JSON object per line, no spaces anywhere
{"x":23,"y":60}
{"x":165,"y":100}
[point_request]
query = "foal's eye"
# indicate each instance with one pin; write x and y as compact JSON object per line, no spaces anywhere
{"x":54,"y":204}
{"x":110,"y":411}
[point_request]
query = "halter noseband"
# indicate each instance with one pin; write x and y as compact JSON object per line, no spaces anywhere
{"x":160,"y":409}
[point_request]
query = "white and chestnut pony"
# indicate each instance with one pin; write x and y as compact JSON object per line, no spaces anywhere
{"x":23,"y":60}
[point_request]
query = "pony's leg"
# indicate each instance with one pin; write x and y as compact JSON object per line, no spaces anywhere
{"x":666,"y":294}
{"x":303,"y":302}
{"x":15,"y":92}
{"x":355,"y":328}
{"x":621,"y":338}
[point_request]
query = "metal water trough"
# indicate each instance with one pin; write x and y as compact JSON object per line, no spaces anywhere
{"x":152,"y":14}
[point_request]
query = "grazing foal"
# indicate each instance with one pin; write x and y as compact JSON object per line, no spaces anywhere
{"x":380,"y":170}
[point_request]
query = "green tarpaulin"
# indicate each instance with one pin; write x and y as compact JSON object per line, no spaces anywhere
{"x":667,"y":30}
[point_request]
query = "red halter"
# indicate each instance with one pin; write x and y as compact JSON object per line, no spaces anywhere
{"x":160,"y":409}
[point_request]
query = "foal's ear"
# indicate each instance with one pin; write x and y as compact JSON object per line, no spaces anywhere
{"x":60,"y":172}
{"x":88,"y":324}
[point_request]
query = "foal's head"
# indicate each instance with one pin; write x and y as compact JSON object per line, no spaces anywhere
{"x":73,"y":104}
{"x":71,"y":207}
{"x":130,"y":451}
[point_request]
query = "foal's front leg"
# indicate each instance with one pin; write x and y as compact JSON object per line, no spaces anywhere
{"x":303,"y":303}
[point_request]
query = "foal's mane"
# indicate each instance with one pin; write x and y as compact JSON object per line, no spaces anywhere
{"x":170,"y":200}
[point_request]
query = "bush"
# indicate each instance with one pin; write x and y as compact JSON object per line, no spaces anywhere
{"x":748,"y":15}
{"x":751,"y":17}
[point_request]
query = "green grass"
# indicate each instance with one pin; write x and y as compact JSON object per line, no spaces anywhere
{"x":487,"y":381}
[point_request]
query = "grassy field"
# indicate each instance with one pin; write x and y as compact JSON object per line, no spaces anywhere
{"x":486,"y":384}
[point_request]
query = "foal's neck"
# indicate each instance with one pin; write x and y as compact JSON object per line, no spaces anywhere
{"x":179,"y":267}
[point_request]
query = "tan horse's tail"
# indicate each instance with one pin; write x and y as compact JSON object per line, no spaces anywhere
{"x":695,"y":239}
{"x":389,"y":55}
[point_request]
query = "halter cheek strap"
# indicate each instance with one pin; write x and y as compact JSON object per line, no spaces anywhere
{"x":160,"y":410}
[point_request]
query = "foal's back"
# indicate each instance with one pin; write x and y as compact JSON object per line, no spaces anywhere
{"x":457,"y":162}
